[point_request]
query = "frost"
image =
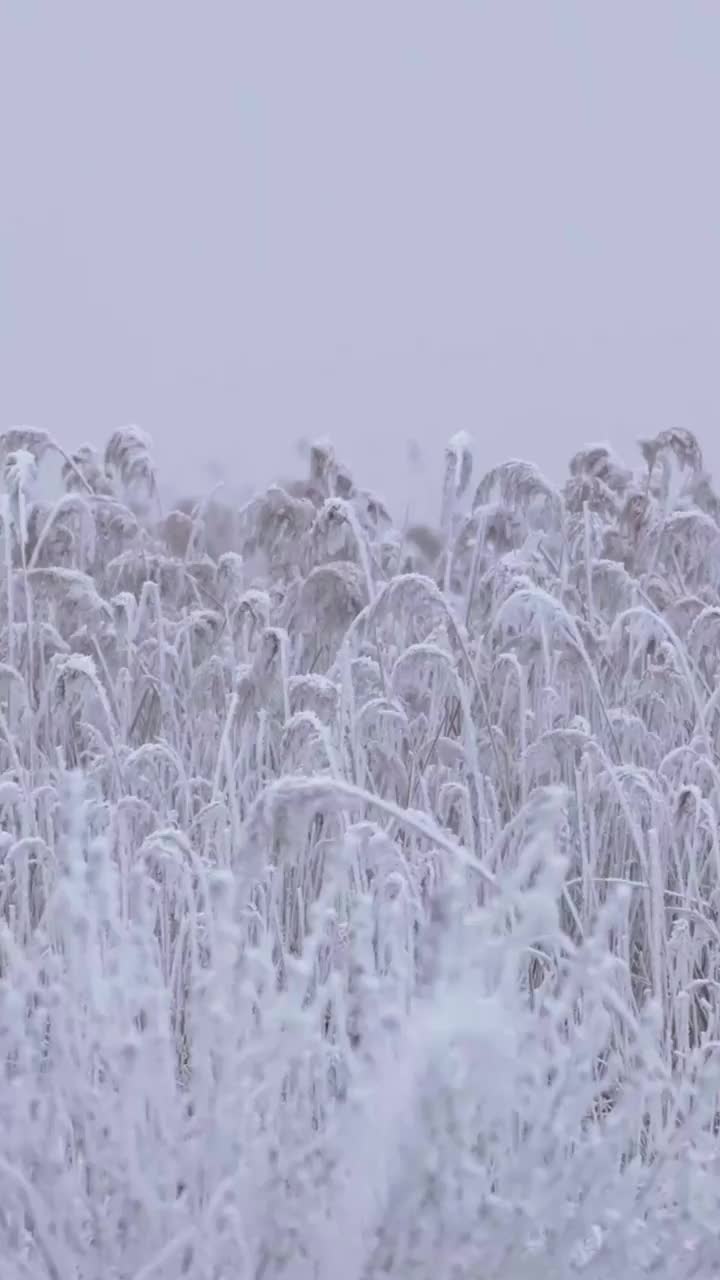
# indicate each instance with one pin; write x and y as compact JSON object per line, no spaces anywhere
{"x":359,"y":887}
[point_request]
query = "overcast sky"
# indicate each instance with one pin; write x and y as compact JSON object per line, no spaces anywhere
{"x":238,"y":224}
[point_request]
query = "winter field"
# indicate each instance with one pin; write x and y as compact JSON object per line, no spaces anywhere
{"x":360,"y":886}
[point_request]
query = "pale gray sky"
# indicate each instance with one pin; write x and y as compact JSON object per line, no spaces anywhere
{"x":241,"y":223}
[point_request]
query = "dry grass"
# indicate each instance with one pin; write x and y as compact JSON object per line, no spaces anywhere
{"x":359,"y":889}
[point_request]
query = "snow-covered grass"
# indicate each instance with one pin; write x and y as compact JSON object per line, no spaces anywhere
{"x":360,"y":887}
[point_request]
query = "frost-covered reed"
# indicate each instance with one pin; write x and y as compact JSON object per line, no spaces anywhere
{"x":360,"y":886}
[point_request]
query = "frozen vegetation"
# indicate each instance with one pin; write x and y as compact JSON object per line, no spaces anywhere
{"x":360,"y":887}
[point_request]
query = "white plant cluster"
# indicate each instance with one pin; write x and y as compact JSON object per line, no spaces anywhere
{"x":360,"y":889}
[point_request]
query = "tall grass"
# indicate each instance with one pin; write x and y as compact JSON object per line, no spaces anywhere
{"x":359,"y":886}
